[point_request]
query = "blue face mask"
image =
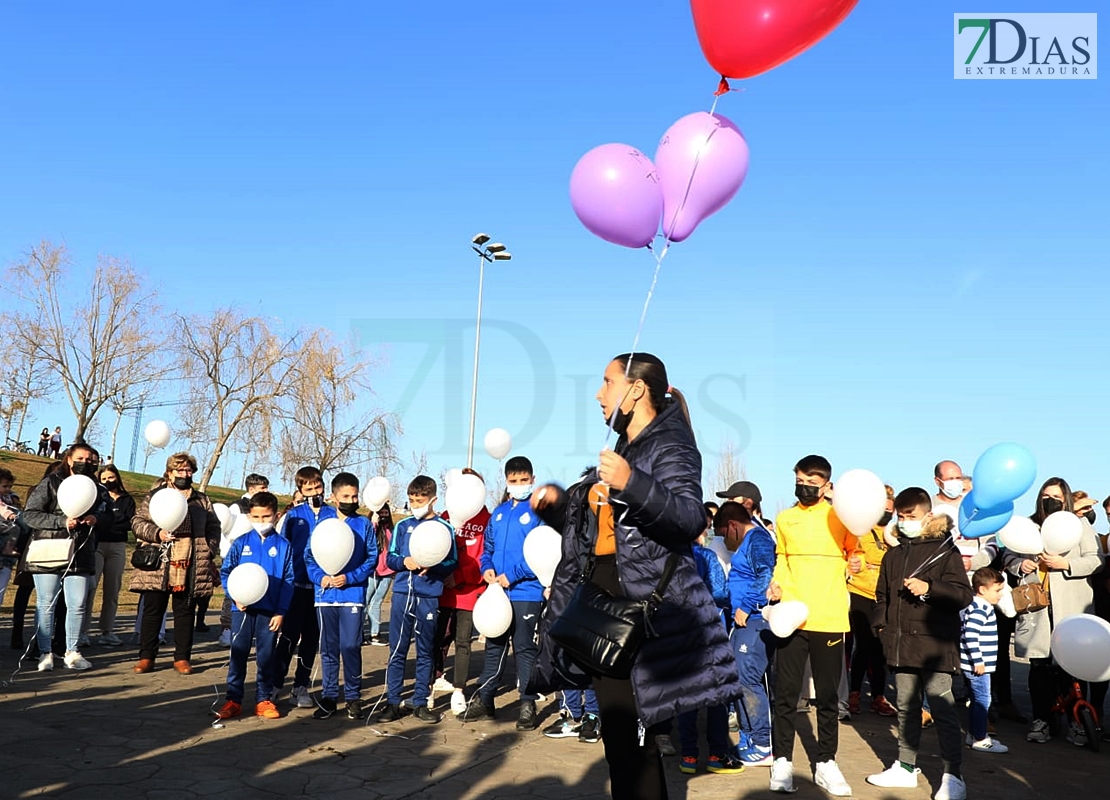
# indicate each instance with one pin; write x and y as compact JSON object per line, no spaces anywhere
{"x":520,"y":491}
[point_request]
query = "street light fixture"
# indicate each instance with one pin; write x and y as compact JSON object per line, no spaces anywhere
{"x":490,"y":253}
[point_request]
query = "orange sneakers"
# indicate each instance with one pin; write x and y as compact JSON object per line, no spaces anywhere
{"x":229,"y":709}
{"x":267,"y":709}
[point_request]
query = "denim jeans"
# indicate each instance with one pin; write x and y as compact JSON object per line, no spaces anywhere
{"x":375,"y":594}
{"x":47,"y":588}
{"x":752,"y":646}
{"x":980,"y":702}
{"x":522,"y":635}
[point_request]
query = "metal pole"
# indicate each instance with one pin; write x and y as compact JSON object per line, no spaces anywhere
{"x":474,"y":380}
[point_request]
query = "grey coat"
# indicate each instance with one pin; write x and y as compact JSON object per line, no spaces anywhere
{"x":1069,"y":593}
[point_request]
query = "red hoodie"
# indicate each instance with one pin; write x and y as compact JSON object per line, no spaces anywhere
{"x":470,"y":541}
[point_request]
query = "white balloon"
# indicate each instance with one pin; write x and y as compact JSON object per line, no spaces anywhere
{"x":157,"y":433}
{"x":498,"y":443}
{"x":543,"y":549}
{"x":1061,"y":532}
{"x":332,"y":544}
{"x":786,"y":617}
{"x":717,"y":546}
{"x":76,"y":495}
{"x":1006,"y":601}
{"x":240,"y":524}
{"x":1021,"y":535}
{"x":493,"y":613}
{"x":223,"y":514}
{"x":450,"y":475}
{"x":430,"y":543}
{"x":376,"y":493}
{"x":168,"y":508}
{"x":234,"y":509}
{"x":859,"y":500}
{"x":247,"y":583}
{"x":1081,"y":646}
{"x":466,"y":496}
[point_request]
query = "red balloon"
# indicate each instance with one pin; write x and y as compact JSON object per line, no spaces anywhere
{"x":742,"y":38}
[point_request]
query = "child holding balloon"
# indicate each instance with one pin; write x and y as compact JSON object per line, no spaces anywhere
{"x":413,"y":613}
{"x":341,"y":597}
{"x":260,"y":601}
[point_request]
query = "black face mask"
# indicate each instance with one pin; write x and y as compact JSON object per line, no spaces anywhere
{"x":83,"y":468}
{"x":1090,"y":515}
{"x":620,"y":419}
{"x":316,"y":500}
{"x":111,"y":484}
{"x":347,"y":509}
{"x":807,"y":495}
{"x":183,"y":482}
{"x":1050,"y":505}
{"x":885,"y":519}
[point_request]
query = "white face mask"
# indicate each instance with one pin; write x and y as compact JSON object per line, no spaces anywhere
{"x":418,"y":511}
{"x":952,"y":488}
{"x":910,"y":528}
{"x":521,"y":491}
{"x":262,"y":528}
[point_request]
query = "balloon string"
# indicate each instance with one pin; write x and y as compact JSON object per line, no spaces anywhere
{"x":942,"y":551}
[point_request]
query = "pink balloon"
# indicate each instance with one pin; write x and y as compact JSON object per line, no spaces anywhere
{"x":698,"y":186}
{"x":615,"y":192}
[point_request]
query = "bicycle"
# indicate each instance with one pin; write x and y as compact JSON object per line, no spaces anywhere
{"x":17,"y":446}
{"x":1075,"y":707}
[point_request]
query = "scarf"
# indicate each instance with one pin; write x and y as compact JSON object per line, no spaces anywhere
{"x":181,"y":556}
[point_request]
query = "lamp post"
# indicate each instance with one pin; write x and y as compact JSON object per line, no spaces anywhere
{"x":486,"y":252}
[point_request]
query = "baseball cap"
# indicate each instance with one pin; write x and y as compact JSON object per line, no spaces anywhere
{"x":742,"y":489}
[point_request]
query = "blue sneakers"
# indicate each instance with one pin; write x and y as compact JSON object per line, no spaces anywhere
{"x":755,"y":756}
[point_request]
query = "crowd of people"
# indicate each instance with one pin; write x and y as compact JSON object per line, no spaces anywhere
{"x":911,"y":603}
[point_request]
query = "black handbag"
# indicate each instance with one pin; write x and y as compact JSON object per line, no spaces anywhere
{"x":150,"y":557}
{"x":603,"y":633}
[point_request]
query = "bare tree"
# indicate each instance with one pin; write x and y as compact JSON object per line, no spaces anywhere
{"x":24,"y":377}
{"x":730,"y":467}
{"x":98,"y":344}
{"x":325,"y":417}
{"x":235,"y":369}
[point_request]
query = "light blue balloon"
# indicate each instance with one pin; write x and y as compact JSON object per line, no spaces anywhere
{"x":978,"y":522}
{"x":1003,"y":474}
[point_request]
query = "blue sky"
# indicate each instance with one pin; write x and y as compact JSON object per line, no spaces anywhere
{"x":914,"y":269}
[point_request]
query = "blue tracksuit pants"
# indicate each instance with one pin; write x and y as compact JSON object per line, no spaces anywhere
{"x":411,"y":617}
{"x":252,"y":628}
{"x":341,"y":637}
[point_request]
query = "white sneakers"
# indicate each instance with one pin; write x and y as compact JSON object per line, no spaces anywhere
{"x":988,"y":745}
{"x":828,"y":776}
{"x":74,"y":660}
{"x":951,"y":788}
{"x":782,"y":776}
{"x":46,"y":662}
{"x":897,"y":777}
{"x":458,"y":702}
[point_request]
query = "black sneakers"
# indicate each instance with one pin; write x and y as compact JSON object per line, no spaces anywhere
{"x":590,"y":730}
{"x":325,"y":708}
{"x":476,"y":710}
{"x":354,"y":709}
{"x":528,"y":720}
{"x":426,"y":715}
{"x":390,"y":713}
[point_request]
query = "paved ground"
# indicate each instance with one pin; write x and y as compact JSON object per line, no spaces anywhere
{"x":84,"y":735}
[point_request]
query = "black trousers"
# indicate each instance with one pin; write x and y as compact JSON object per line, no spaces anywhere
{"x":184,"y":615}
{"x":635,"y":769}
{"x":825,"y":653}
{"x":1000,"y":681}
{"x":867,"y":649}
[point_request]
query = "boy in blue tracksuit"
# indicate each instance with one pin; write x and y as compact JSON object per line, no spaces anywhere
{"x":300,"y":632}
{"x":503,"y":562}
{"x":414,"y":610}
{"x":749,"y":575}
{"x":259,"y":622}
{"x":340,"y":599}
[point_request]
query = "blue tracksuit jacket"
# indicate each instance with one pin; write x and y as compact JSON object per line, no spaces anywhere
{"x":358,"y":569}
{"x":504,"y":551}
{"x":429,"y":585}
{"x":297,"y":527}
{"x":752,"y":565}
{"x":274,"y":553}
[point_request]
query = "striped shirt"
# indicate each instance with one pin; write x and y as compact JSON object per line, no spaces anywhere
{"x":979,"y":636}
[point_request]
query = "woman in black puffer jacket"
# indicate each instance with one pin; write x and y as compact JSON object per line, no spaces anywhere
{"x":638,"y":507}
